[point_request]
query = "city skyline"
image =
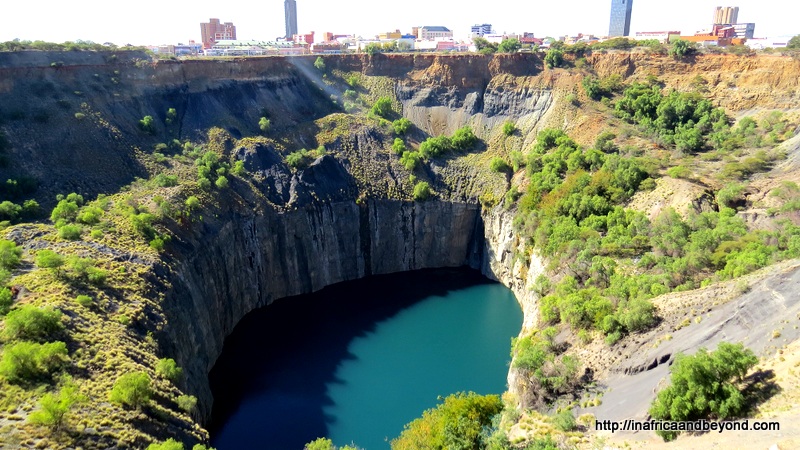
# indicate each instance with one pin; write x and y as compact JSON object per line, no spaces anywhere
{"x":170,"y":23}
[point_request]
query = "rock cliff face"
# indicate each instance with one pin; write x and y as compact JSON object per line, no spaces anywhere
{"x":246,"y":261}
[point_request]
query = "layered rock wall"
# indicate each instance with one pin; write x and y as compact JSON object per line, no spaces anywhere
{"x":250,"y":261}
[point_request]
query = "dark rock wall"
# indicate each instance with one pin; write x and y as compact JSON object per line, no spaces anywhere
{"x":251,"y":260}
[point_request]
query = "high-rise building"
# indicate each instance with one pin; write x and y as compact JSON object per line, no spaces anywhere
{"x":214,"y":31}
{"x":290,"y":10}
{"x":620,"y":24}
{"x":726,"y":15}
{"x":482,"y":29}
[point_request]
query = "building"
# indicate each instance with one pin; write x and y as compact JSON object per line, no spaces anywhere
{"x":428,"y":33}
{"x":481,"y":30}
{"x":306,"y":39}
{"x":214,"y":31}
{"x":726,"y":15}
{"x":665,"y":37}
{"x":744,"y":30}
{"x":390,"y":35}
{"x":620,"y":24}
{"x":290,"y":14}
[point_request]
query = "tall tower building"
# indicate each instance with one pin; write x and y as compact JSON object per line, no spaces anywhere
{"x":290,"y":10}
{"x":620,"y":24}
{"x":214,"y":31}
{"x":725,"y":15}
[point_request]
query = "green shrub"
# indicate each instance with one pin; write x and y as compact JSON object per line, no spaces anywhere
{"x":90,"y":215}
{"x":6,"y":300}
{"x":509,"y":128}
{"x":401,"y":126}
{"x":302,"y":158}
{"x":10,"y":254}
{"x":565,"y":421}
{"x":435,"y":146}
{"x":398,"y":146}
{"x":132,"y":389}
{"x":320,"y":444}
{"x":147,"y":125}
{"x":319,"y":64}
{"x":169,"y":444}
{"x":463,"y":138}
{"x":422,"y":191}
{"x":192,"y":203}
{"x":554,"y":58}
{"x":410,"y":160}
{"x":499,"y":165}
{"x":168,"y":368}
{"x":96,"y":276}
{"x":264,"y":125}
{"x":456,"y":423}
{"x":704,"y":385}
{"x":54,"y":408}
{"x":85,"y":301}
{"x":238,"y":169}
{"x":679,"y":172}
{"x":163,"y":180}
{"x":221,"y":183}
{"x":10,"y":211}
{"x":730,"y":194}
{"x":33,"y":324}
{"x":186,"y":402}
{"x":31,"y":361}
{"x":383,"y":108}
{"x":70,"y":232}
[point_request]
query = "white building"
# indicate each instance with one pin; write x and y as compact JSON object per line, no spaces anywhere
{"x":430,"y":33}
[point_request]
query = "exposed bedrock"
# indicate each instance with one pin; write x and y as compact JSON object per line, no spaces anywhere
{"x":249,"y":260}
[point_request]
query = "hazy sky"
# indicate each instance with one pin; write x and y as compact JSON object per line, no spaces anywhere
{"x":145,"y":22}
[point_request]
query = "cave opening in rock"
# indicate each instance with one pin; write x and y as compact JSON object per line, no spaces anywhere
{"x":357,"y":360}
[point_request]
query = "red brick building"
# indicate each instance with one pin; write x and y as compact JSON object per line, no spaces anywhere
{"x":214,"y":31}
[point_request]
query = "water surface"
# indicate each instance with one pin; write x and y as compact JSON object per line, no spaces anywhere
{"x":356,"y":361}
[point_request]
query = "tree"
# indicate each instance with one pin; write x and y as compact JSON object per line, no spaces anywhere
{"x":10,"y":254}
{"x":382,"y":107}
{"x":484,"y":46}
{"x":554,"y":58}
{"x":33,"y":323}
{"x":54,"y":408}
{"x":221,"y":182}
{"x":264,"y":125}
{"x":401,"y":126}
{"x":132,"y":389}
{"x":398,"y":146}
{"x":30,"y":361}
{"x":422,"y":191}
{"x":703,"y":386}
{"x":168,"y":368}
{"x":6,"y":300}
{"x":320,"y":444}
{"x":455,"y":424}
{"x":509,"y":45}
{"x":509,"y":128}
{"x":319,"y":64}
{"x":372,"y":48}
{"x":169,"y":444}
{"x":794,"y":43}
{"x":681,"y":48}
{"x":186,"y":402}
{"x":410,"y":160}
{"x":499,"y":165}
{"x":147,"y":124}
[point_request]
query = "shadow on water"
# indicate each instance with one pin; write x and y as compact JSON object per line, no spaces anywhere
{"x":285,"y":355}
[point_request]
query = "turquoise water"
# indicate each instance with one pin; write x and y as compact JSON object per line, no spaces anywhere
{"x":362,"y":359}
